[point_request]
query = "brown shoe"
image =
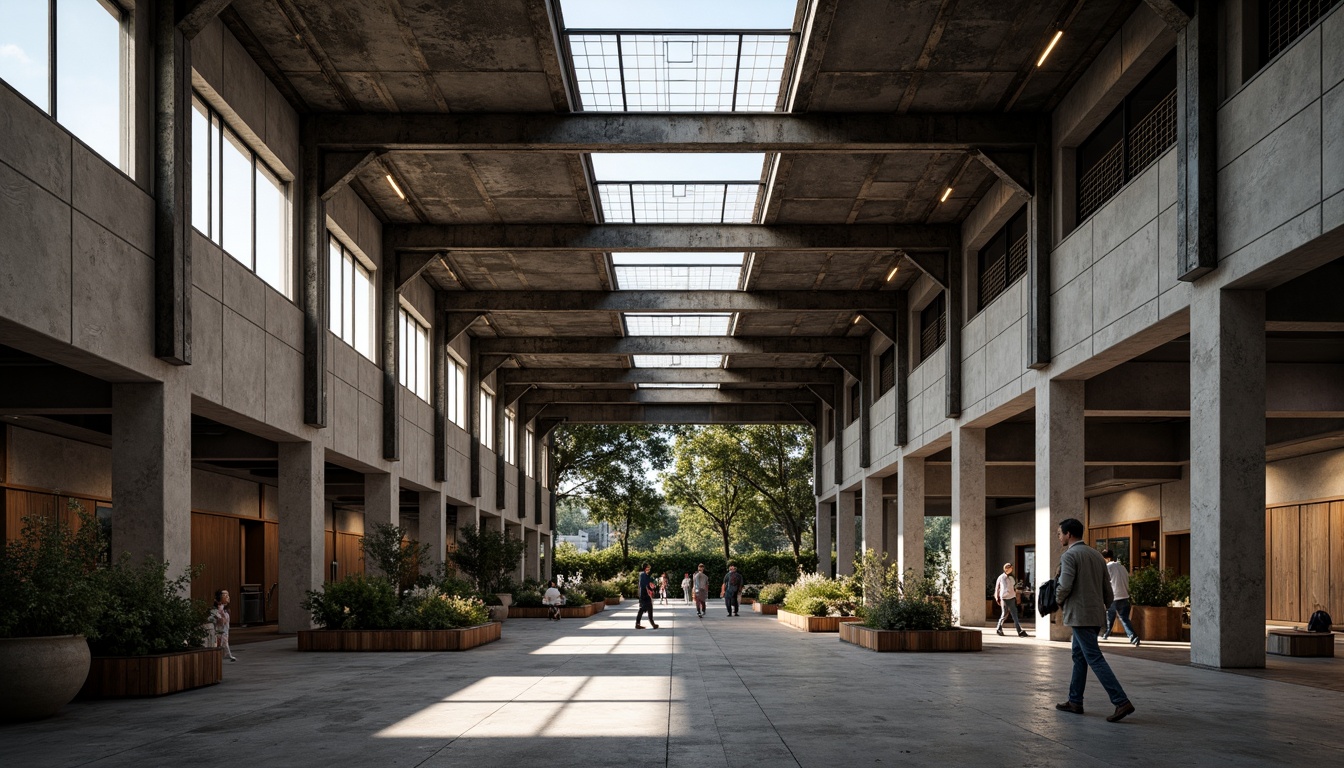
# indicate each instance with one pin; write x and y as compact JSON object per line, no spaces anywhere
{"x":641,"y":626}
{"x":655,"y":626}
{"x":1121,"y":712}
{"x":1069,"y":706}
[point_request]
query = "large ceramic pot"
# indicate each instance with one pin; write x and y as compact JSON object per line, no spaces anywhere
{"x":498,"y":612}
{"x":505,"y":598}
{"x":41,"y":674}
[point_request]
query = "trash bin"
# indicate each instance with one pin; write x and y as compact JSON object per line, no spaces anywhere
{"x":254,"y":604}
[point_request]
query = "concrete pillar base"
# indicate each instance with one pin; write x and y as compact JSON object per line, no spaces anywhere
{"x":1059,"y":482}
{"x":910,"y":516}
{"x":302,"y":529}
{"x":433,"y":528}
{"x":151,"y":472}
{"x":968,"y":526}
{"x":844,"y":533}
{"x":823,"y":538}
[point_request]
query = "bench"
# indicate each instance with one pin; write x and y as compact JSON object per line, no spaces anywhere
{"x":1291,"y":642}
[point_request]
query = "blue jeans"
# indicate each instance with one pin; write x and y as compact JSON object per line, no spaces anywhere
{"x":1119,"y":608}
{"x":1087,"y":654}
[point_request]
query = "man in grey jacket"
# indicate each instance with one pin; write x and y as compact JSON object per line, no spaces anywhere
{"x":1084,"y":593}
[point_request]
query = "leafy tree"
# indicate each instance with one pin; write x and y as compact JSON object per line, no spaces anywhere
{"x":776,"y":461}
{"x":487,"y":557}
{"x":703,"y":483}
{"x":937,"y":544}
{"x":393,"y":554}
{"x":570,"y":517}
{"x":602,"y":460}
{"x":632,"y":506}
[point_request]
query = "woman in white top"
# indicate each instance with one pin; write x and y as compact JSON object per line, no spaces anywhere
{"x":686,"y":588}
{"x":219,"y":617}
{"x":553,"y":600}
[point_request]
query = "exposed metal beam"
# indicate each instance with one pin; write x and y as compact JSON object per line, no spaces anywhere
{"x":742,"y":376}
{"x":1197,"y":144}
{"x":866,"y":302}
{"x":811,"y":133}
{"x":313,"y":284}
{"x":172,"y":182}
{"x":679,"y":414}
{"x":671,"y":237}
{"x":669,"y":396}
{"x":673,"y":345}
{"x":1040,"y":241}
{"x":1175,"y":13}
{"x":340,"y":168}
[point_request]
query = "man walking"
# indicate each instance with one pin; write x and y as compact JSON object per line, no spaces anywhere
{"x":732,"y":587}
{"x":646,"y":588}
{"x":1083,"y":593}
{"x":700,"y":586}
{"x":1005,"y":594}
{"x":1120,"y":588}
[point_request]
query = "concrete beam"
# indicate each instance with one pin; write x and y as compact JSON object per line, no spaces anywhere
{"x":743,"y":376}
{"x":671,"y":345}
{"x":1175,"y":14}
{"x":671,"y":238}
{"x":669,"y":396}
{"x":813,"y":133}
{"x":195,"y":15}
{"x":1105,"y":443}
{"x":313,"y":283}
{"x":1040,"y":242}
{"x":678,"y":414}
{"x":873,"y":304}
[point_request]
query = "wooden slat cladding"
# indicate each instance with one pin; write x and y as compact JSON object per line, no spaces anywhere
{"x":398,"y":639}
{"x":885,"y":640}
{"x":566,"y":612}
{"x":113,"y":677}
{"x":1304,"y":561}
{"x":16,"y":504}
{"x":813,"y":623}
{"x":216,"y":544}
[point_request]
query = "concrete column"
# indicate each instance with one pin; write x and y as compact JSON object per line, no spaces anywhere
{"x":823,"y":538}
{"x":151,"y":471}
{"x":1059,"y":480}
{"x":302,"y":533}
{"x":382,"y":499}
{"x":433,"y":528}
{"x":891,"y":530}
{"x":968,"y":525}
{"x":844,"y":533}
{"x":532,"y":557}
{"x":517,"y":532}
{"x":872,"y":515}
{"x":910,"y":515}
{"x":1227,"y":478}
{"x":548,"y":556}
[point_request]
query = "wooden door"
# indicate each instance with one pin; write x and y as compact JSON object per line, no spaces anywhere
{"x":1314,"y":546}
{"x":1283,"y":566}
{"x":215,"y":545}
{"x":272,"y":571}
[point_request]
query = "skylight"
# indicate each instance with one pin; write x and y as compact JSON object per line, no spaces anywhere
{"x":684,"y":188}
{"x":689,"y":56}
{"x":677,"y":271}
{"x":678,"y":361}
{"x":674,"y":324}
{"x":648,"y":385}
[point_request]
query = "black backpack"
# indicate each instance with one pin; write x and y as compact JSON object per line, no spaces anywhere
{"x":1045,"y":598}
{"x":1320,"y":622}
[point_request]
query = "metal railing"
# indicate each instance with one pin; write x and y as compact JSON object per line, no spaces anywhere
{"x":1004,"y":272}
{"x":1102,"y":181}
{"x":932,"y":337}
{"x":1152,"y":135}
{"x":1286,"y":20}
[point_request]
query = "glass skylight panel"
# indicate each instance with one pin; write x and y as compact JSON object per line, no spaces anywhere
{"x":683,"y":188}
{"x":683,"y":14}
{"x":678,"y":361}
{"x":657,"y":324}
{"x":648,"y":385}
{"x":678,"y":271}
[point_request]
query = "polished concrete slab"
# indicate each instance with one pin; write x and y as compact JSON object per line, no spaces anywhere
{"x":717,"y":691}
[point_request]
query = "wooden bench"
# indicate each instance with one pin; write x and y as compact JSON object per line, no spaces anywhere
{"x":1291,"y":642}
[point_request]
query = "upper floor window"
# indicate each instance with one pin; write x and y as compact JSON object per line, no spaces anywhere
{"x":237,"y":200}
{"x":545,"y":465}
{"x":510,"y":438}
{"x":456,"y":375}
{"x":1003,"y":259}
{"x":932,"y":327}
{"x":855,"y":401}
{"x":529,"y":448}
{"x":352,"y":299}
{"x":413,"y":354}
{"x":886,"y":370}
{"x":1129,"y":140}
{"x":80,"y":85}
{"x":827,"y":429}
{"x":487,"y":420}
{"x":1283,"y":21}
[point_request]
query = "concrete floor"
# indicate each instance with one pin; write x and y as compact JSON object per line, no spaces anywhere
{"x":712,"y":692}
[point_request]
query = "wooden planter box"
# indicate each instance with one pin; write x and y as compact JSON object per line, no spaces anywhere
{"x":116,"y":677}
{"x":1152,"y":622}
{"x":747,"y":601}
{"x":955,"y":639}
{"x":768,"y":610}
{"x":1292,"y":642}
{"x":566,"y":612}
{"x":813,"y":623}
{"x":614,"y":600}
{"x":398,"y":639}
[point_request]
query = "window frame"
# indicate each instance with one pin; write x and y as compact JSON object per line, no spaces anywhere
{"x":218,"y":133}
{"x":413,"y":337}
{"x":886,"y":370}
{"x":487,"y":407}
{"x":1000,"y":249}
{"x":455,"y":386}
{"x":510,"y":437}
{"x":939,"y":305}
{"x":855,"y":402}
{"x":358,"y":264}
{"x":529,"y":447}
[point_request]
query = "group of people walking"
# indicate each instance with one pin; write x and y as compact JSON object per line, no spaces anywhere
{"x":694,"y":587}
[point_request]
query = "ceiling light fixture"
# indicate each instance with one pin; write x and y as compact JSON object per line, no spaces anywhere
{"x":893,"y":272}
{"x":856,"y":319}
{"x":946,"y":192}
{"x":395,"y":188}
{"x":1058,"y":34}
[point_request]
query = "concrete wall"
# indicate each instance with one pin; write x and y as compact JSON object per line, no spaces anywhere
{"x":1314,"y":477}
{"x":1169,"y":502}
{"x":1003,"y":533}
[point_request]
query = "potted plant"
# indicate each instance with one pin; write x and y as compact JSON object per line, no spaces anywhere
{"x":768,"y":600}
{"x":816,"y":603}
{"x":365,"y":613}
{"x":1156,"y":608}
{"x":51,"y":603}
{"x":489,"y":558}
{"x":906,"y":613}
{"x":750,"y":593}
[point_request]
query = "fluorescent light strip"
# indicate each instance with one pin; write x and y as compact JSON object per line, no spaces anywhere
{"x":1050,"y":47}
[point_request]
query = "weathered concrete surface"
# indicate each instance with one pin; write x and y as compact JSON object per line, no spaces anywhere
{"x":1059,"y":475}
{"x":910,"y":515}
{"x":845,"y":544}
{"x":968,"y":524}
{"x":697,"y":692}
{"x":302,"y":532}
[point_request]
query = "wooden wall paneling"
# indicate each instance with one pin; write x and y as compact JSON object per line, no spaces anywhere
{"x":1314,"y":574}
{"x":272,"y":570}
{"x":215,"y":545}
{"x":1269,"y":563}
{"x":1283,"y":568}
{"x":348,"y":554}
{"x":1337,"y":561}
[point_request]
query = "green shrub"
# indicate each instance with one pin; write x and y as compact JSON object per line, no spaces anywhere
{"x":812,"y":606}
{"x":527,"y":598}
{"x":147,"y":612}
{"x":355,"y":602}
{"x":755,"y":567}
{"x":48,"y":583}
{"x":598,"y":591}
{"x":451,"y":584}
{"x":836,"y":595}
{"x":393,"y":554}
{"x":628,"y":584}
{"x":912,"y":603}
{"x":428,"y":608}
{"x":773,"y":594}
{"x":751,"y":590}
{"x":1180,"y":588}
{"x":1154,"y":587}
{"x":487,"y":558}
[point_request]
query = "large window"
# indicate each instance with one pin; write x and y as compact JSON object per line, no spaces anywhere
{"x":1003,"y":259}
{"x":352,"y":299}
{"x":886,"y":370}
{"x":487,"y":420}
{"x":413,"y":354}
{"x":529,"y":448}
{"x":510,"y":438}
{"x":81,"y":85}
{"x":932,"y":327}
{"x":1129,"y":140}
{"x":456,"y":374}
{"x":237,"y":200}
{"x":855,"y":401}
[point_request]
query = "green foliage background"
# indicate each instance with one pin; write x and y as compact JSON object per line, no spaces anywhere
{"x":756,"y":567}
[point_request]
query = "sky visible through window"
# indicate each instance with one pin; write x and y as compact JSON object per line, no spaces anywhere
{"x":672,"y":324}
{"x":678,"y":361}
{"x":683,"y":14}
{"x":678,"y":188}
